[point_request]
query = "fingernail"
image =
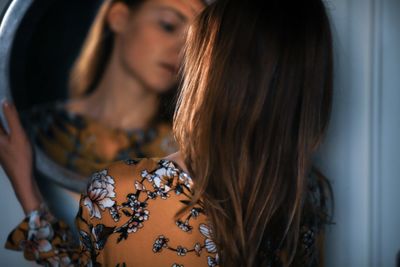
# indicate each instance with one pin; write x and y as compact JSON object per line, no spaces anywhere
{"x":5,"y":103}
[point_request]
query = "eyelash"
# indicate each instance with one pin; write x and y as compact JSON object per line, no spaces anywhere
{"x":168,"y":27}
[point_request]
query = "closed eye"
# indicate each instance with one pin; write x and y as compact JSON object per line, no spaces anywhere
{"x":168,"y":27}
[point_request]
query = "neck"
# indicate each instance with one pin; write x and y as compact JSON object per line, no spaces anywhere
{"x":120,"y":100}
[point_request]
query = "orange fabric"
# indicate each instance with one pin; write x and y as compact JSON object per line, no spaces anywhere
{"x":127,"y":217}
{"x":84,"y":145}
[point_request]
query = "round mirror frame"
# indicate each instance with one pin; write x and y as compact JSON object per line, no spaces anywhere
{"x":10,"y":23}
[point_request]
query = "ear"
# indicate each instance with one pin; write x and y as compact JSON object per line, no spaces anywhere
{"x":118,"y":17}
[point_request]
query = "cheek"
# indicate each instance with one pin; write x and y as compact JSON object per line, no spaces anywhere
{"x":140,"y":47}
{"x":142,"y":53}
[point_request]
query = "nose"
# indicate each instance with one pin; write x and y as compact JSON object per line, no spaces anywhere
{"x":178,"y":42}
{"x":175,"y":47}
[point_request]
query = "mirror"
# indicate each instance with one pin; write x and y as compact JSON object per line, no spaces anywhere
{"x":93,"y":84}
{"x":70,"y":69}
{"x":40,"y":41}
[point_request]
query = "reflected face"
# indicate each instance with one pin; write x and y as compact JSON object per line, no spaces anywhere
{"x":150,"y":46}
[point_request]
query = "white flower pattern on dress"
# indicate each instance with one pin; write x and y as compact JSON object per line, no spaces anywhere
{"x":40,"y":229}
{"x":40,"y":235}
{"x":209,"y":243}
{"x":159,"y":183}
{"x":47,"y":240}
{"x":99,"y":193}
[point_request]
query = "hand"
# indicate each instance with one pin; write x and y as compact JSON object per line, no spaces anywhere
{"x":17,"y":161}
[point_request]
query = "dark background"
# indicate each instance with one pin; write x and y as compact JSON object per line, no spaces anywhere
{"x":46,"y":45}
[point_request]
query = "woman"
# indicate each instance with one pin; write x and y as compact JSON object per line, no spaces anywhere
{"x":121,"y":91}
{"x":254,"y":106}
{"x":121,"y":96}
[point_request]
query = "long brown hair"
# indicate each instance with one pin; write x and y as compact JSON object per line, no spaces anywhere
{"x":95,"y":53}
{"x":254,"y":106}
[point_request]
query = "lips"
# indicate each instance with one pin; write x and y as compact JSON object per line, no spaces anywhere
{"x":169,"y":67}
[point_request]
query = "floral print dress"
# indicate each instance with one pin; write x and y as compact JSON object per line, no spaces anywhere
{"x":128,"y":217}
{"x":84,"y":145}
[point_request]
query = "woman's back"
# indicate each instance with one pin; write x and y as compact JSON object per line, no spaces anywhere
{"x":138,"y":225}
{"x":141,"y":223}
{"x":129,"y":216}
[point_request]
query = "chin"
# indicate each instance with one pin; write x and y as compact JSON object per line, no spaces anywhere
{"x":162,"y":87}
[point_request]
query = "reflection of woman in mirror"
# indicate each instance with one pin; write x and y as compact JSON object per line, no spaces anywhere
{"x":254,"y":106}
{"x":122,"y":91}
{"x":122,"y":87}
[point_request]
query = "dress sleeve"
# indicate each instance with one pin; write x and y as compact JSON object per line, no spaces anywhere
{"x":46,"y":240}
{"x":91,"y":242}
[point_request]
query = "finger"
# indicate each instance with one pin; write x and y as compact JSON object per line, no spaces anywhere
{"x":2,"y":128}
{"x":11,"y":114}
{"x":3,"y":136}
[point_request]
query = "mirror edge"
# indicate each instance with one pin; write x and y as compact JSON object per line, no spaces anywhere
{"x":15,"y":11}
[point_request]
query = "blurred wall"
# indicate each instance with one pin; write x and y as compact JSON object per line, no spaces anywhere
{"x":361,"y":153}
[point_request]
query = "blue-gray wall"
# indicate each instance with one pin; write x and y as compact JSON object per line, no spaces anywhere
{"x":361,"y":152}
